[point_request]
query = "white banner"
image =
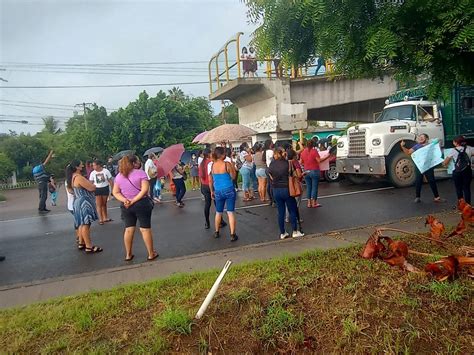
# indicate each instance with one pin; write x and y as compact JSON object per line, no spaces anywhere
{"x":428,"y":156}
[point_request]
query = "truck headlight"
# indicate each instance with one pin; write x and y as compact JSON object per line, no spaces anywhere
{"x":340,"y":144}
{"x":376,"y":141}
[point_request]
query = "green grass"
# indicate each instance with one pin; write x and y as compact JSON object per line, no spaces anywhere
{"x":449,"y":291}
{"x":174,"y":320}
{"x":320,"y":301}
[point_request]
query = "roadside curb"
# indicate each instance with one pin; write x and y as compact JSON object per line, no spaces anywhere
{"x":42,"y":290}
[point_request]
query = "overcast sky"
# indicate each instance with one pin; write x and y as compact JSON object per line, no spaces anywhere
{"x":106,"y":31}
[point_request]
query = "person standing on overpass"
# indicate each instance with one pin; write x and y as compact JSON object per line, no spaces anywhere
{"x":42,"y":179}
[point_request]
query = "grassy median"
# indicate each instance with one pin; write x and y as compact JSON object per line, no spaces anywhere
{"x":330,"y":301}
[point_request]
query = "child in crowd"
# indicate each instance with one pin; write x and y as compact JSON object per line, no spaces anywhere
{"x":53,"y":190}
{"x":157,"y":188}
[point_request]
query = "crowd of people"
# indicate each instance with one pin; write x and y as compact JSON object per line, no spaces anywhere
{"x":275,"y":173}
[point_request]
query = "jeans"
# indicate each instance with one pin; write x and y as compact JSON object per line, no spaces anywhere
{"x":254,"y":178}
{"x":225,"y":197}
{"x":206,"y":192}
{"x":180,"y":189}
{"x":269,"y":188}
{"x":54,"y":197}
{"x":246,"y":179}
{"x":312,"y":182}
{"x":283,"y":199}
{"x":43,"y":195}
{"x":431,"y":180}
{"x":152,"y":182}
{"x":462,"y":183}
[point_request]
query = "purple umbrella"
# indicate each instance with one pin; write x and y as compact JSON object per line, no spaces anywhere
{"x":200,"y":136}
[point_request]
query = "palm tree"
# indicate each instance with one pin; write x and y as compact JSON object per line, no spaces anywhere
{"x":176,"y":94}
{"x":51,"y":125}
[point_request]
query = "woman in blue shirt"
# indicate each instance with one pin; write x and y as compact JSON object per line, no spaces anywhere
{"x":222,"y":190}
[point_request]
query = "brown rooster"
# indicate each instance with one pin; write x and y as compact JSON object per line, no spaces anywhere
{"x":373,"y":247}
{"x":443,"y":269}
{"x":397,"y":252}
{"x":436,"y":227}
{"x":466,"y":211}
{"x":460,"y":229}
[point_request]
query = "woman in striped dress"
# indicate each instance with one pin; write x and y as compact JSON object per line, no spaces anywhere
{"x":84,"y":208}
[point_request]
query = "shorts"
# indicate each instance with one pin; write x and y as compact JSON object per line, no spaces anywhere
{"x":261,"y":173}
{"x":141,"y":211}
{"x":102,"y":191}
{"x":225,"y":197}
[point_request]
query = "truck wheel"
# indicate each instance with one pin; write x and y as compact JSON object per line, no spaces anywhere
{"x":401,"y":170}
{"x":357,"y":179}
{"x":331,"y":175}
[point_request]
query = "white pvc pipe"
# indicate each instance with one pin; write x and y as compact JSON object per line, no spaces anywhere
{"x":213,"y":290}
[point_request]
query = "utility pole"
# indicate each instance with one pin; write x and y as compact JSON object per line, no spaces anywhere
{"x":84,"y":107}
{"x":223,"y":111}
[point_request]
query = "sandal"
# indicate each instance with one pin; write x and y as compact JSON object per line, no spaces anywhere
{"x":81,"y":246}
{"x":108,"y":220}
{"x":101,"y":223}
{"x":155,"y":255}
{"x":130,"y":258}
{"x":94,"y":249}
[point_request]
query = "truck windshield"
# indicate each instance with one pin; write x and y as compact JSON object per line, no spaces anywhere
{"x":406,"y":112}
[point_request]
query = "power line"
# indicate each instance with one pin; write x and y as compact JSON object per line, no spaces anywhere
{"x":125,"y":68}
{"x":44,"y":105}
{"x":104,"y":86}
{"x":33,"y":106}
{"x":36,"y":103}
{"x":107,"y":73}
{"x":36,"y":116}
{"x":104,"y":64}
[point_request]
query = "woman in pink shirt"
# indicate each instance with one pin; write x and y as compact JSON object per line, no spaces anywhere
{"x":131,"y":187}
{"x":310,"y":159}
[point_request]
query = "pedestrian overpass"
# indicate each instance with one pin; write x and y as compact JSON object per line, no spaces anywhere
{"x":275,"y":100}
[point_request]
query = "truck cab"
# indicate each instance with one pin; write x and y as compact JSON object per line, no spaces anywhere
{"x":374,"y":148}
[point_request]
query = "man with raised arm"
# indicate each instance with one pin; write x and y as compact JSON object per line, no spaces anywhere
{"x":42,"y":178}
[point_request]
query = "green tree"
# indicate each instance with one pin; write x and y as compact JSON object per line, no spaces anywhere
{"x":51,"y":125}
{"x":24,"y":150}
{"x":368,"y":38}
{"x":228,"y":114}
{"x":7,"y":166}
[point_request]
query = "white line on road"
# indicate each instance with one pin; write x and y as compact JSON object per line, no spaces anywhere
{"x":198,"y":198}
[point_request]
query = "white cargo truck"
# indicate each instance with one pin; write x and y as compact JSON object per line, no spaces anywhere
{"x":374,"y":148}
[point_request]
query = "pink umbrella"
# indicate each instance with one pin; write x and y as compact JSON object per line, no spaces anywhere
{"x":169,"y":158}
{"x":200,"y":136}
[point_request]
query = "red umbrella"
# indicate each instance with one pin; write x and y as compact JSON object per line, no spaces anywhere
{"x":169,"y":158}
{"x":200,"y":136}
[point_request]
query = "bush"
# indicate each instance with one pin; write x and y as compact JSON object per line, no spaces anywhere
{"x":7,"y":166}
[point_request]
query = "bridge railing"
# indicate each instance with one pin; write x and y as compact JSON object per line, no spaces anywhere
{"x":231,"y":63}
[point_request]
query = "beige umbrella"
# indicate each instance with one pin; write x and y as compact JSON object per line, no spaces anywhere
{"x":227,"y":132}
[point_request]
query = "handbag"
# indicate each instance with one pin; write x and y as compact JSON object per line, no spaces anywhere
{"x":294,"y":184}
{"x":147,"y":197}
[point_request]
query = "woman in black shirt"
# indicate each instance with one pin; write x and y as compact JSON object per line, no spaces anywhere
{"x":279,"y":174}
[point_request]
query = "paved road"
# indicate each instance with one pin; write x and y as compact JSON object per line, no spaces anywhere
{"x":40,"y":247}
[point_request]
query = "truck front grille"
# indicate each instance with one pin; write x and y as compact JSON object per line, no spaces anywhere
{"x":357,"y":143}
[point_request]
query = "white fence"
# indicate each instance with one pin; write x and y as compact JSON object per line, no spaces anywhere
{"x":18,"y":185}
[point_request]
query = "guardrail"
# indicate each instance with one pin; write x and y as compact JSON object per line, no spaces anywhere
{"x":229,"y":63}
{"x":18,"y":185}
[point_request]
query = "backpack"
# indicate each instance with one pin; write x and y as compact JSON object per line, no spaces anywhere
{"x":152,"y":171}
{"x":462,"y":161}
{"x":238,"y":163}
